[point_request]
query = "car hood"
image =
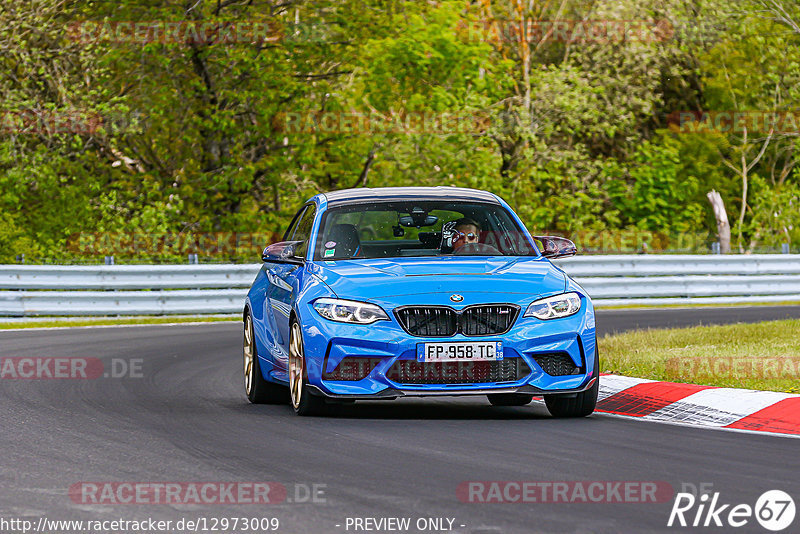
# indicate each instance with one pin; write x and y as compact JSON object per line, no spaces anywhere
{"x":383,"y":278}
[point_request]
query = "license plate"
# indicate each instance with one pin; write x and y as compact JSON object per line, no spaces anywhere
{"x":471,"y":351}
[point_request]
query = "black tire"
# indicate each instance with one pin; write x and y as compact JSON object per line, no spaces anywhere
{"x":258,"y":389}
{"x":578,"y":405}
{"x":307,"y":404}
{"x":509,"y":399}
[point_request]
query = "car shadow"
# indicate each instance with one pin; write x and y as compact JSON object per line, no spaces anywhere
{"x":435,"y":409}
{"x":410,"y":409}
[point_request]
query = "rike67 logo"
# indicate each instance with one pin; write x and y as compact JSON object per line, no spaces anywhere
{"x":774,"y":510}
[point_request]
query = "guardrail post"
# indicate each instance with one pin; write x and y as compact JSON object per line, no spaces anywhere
{"x":193,"y":260}
{"x":109,"y":260}
{"x":785,"y":248}
{"x":716,"y":248}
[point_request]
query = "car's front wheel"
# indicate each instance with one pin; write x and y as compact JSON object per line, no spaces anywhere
{"x":257,"y":389}
{"x":303,"y":402}
{"x":577,"y":405}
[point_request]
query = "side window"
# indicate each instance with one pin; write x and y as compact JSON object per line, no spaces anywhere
{"x":303,"y":230}
{"x":293,"y":226}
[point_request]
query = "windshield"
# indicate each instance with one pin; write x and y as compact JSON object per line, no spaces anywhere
{"x":419,"y":228}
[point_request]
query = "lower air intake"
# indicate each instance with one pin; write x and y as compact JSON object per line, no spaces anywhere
{"x":352,"y":369}
{"x":557,"y":364}
{"x":414,"y":372}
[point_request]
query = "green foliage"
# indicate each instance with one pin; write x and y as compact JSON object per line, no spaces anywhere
{"x":196,"y":137}
{"x":652,"y":191}
{"x":777,"y":219}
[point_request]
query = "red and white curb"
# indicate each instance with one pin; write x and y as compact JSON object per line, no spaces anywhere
{"x":702,"y":406}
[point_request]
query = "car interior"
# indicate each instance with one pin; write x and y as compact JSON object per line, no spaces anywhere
{"x":416,"y":231}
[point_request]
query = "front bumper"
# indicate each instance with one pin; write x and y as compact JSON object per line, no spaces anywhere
{"x":385,"y":343}
{"x":391,"y":393}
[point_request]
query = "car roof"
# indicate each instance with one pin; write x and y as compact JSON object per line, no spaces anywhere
{"x":409,"y":193}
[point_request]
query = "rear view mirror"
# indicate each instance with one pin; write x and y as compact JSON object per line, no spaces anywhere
{"x":411,"y":221}
{"x":556,"y":247}
{"x":283,"y":252}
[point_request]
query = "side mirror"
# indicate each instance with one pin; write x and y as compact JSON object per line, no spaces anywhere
{"x":283,"y":252}
{"x":556,"y":247}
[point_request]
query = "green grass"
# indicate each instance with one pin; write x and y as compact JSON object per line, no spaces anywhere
{"x":97,"y":321}
{"x":763,"y":356}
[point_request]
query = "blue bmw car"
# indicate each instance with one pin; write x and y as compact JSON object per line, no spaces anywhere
{"x":417,"y":291}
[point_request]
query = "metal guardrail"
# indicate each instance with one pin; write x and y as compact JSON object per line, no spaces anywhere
{"x":680,"y":265}
{"x":656,"y":280}
{"x":121,"y":277}
{"x":649,"y":280}
{"x":178,"y":302}
{"x":42,"y":290}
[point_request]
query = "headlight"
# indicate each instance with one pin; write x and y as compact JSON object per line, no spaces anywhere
{"x":555,"y":307}
{"x":349,"y":311}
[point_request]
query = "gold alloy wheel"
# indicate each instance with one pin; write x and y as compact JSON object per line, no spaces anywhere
{"x":248,"y":355}
{"x":296,"y":365}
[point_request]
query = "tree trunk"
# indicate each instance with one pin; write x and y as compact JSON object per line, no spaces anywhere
{"x":723,"y":226}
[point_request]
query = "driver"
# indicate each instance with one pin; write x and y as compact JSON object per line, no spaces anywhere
{"x":468,"y":232}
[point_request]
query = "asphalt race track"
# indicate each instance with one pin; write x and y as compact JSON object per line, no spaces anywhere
{"x":184,"y":417}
